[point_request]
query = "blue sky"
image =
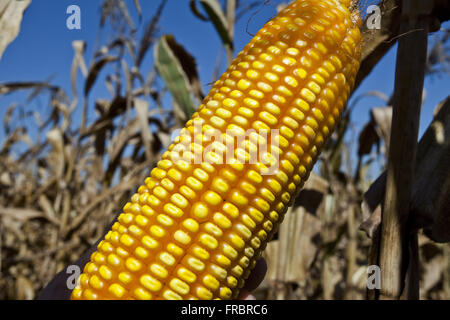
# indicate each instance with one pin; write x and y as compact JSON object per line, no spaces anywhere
{"x":43,"y":49}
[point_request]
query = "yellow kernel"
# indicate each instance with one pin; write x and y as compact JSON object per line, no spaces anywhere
{"x":142,"y":294}
{"x":105,"y":272}
{"x":160,"y":192}
{"x":230,"y":103}
{"x":264,"y":86}
{"x":247,"y":187}
{"x":221,"y":220}
{"x":232,"y":281}
{"x":114,"y":260}
{"x":170,"y":295}
{"x":146,"y":210}
{"x":314,"y":87}
{"x":116,"y":290}
{"x":252,"y":74}
{"x":167,"y":258}
{"x":208,"y":241}
{"x":195,"y":264}
{"x":289,"y":61}
{"x":134,"y":230}
{"x":284,"y":91}
{"x":135,"y":209}
{"x":126,"y":218}
{"x":230,"y":209}
{"x":212,"y":198}
{"x":274,"y":50}
{"x":179,"y":286}
{"x":174,"y":249}
{"x":159,"y":270}
{"x":179,"y":200}
{"x":258,"y":65}
{"x":256,"y":94}
{"x":291,"y":81}
{"x":191,"y":225}
{"x":225,"y":293}
{"x":237,"y":271}
{"x":150,"y":283}
{"x":271,"y":77}
{"x":149,"y":242}
{"x":96,"y":283}
{"x":141,"y":252}
{"x":199,"y":210}
{"x":141,"y":220}
{"x":213,"y":229}
{"x":243,"y":84}
{"x":248,"y":221}
{"x":256,"y":215}
{"x":211,"y":282}
{"x":309,"y":131}
{"x":252,"y":103}
{"x":262,"y":235}
{"x":261,"y":204}
{"x":158,"y":173}
{"x":308,"y":95}
{"x":187,"y":192}
{"x":174,"y":174}
{"x":157,"y":231}
{"x":302,"y":104}
{"x":244,"y":65}
{"x":173,"y":210}
{"x":278,"y":68}
{"x":125,"y":277}
{"x":133,"y":264}
{"x":201,"y":253}
{"x":217,"y":122}
{"x":204,"y":293}
{"x":245,"y":112}
{"x":268,"y":118}
{"x":194,"y":183}
{"x":186,"y":275}
{"x":229,"y":175}
{"x":212,"y":104}
{"x":243,"y":231}
{"x":236,"y":94}
{"x":201,"y":175}
{"x":237,"y":241}
{"x":222,"y":260}
{"x":301,"y":73}
{"x":238,"y":198}
{"x":182,"y":237}
{"x":220,"y":185}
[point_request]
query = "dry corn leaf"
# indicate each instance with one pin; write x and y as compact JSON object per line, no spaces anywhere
{"x":11,"y":13}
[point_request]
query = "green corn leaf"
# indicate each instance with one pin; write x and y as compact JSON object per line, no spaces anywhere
{"x":171,"y":70}
{"x":217,"y":17}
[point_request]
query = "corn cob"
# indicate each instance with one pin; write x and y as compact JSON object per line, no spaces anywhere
{"x":196,"y":230}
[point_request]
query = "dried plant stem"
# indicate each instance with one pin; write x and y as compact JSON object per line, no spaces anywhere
{"x":231,"y":13}
{"x":352,"y":248}
{"x":409,"y":78}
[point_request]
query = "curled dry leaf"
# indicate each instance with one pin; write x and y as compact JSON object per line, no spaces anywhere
{"x":430,"y":206}
{"x":11,"y":13}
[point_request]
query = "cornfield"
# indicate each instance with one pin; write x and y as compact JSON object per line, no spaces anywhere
{"x":67,"y":169}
